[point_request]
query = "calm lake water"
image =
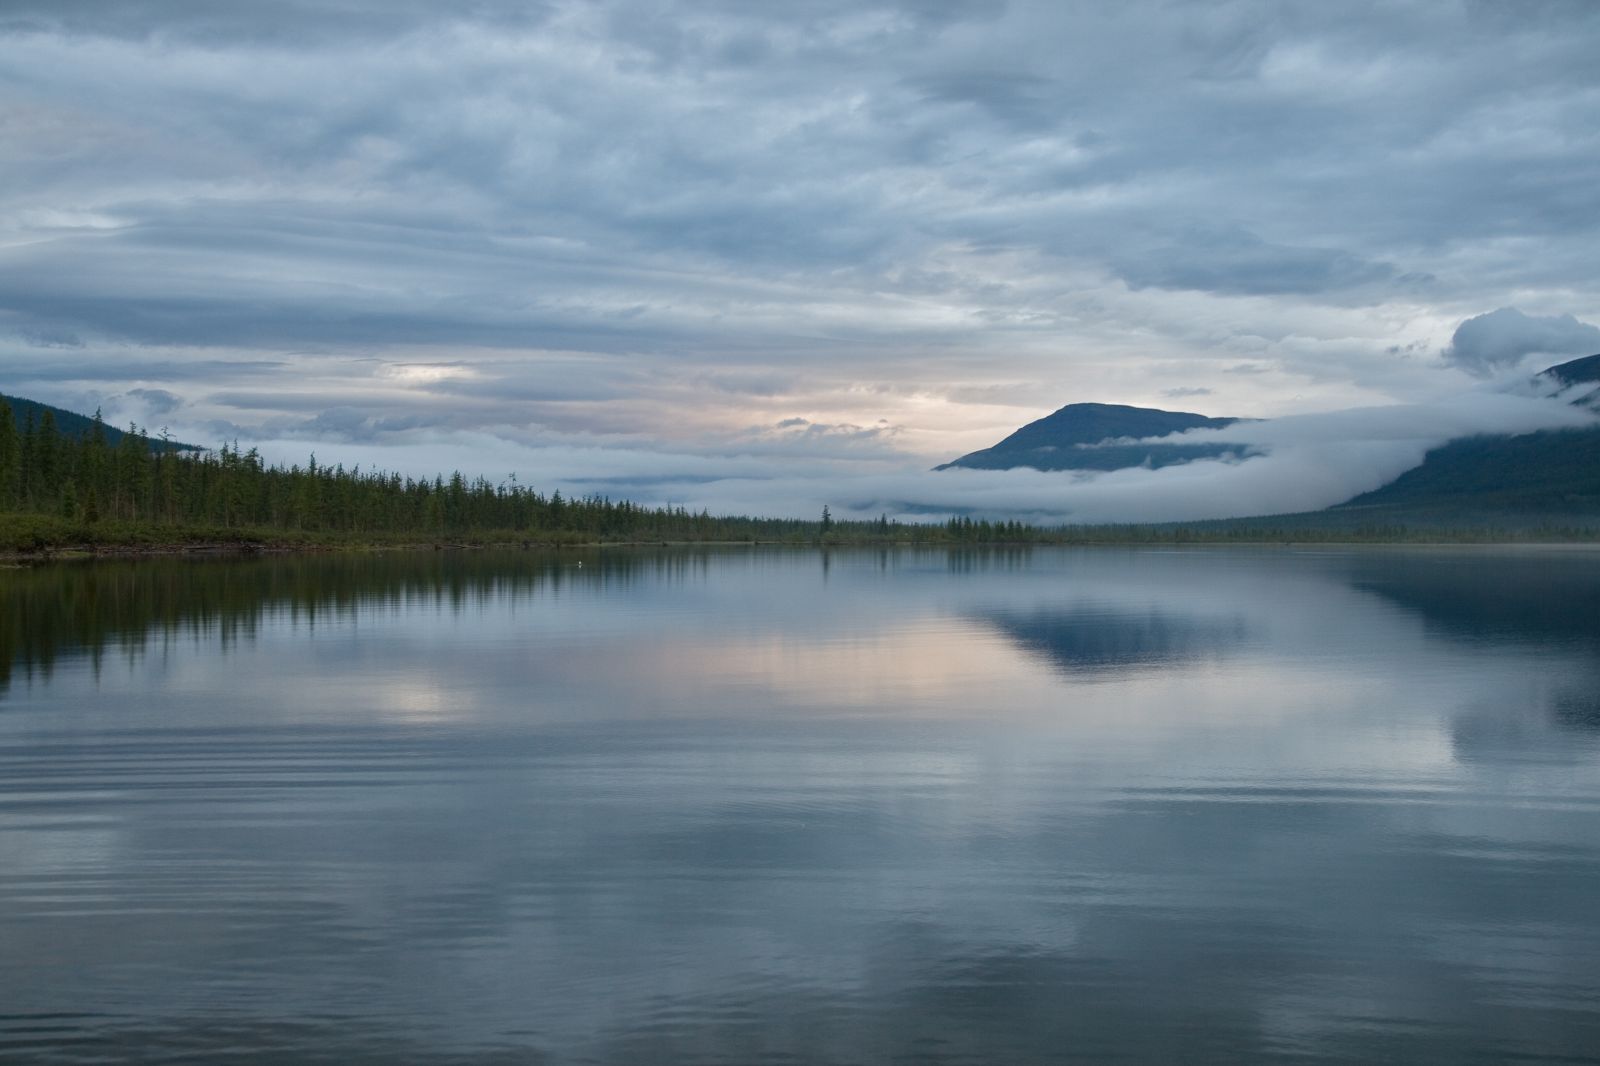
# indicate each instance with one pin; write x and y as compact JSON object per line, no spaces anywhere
{"x":751,"y":806}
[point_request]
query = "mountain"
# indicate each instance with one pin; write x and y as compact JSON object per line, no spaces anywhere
{"x":72,"y":424}
{"x":1577,"y":371}
{"x":1080,"y":436}
{"x":1585,"y":371}
{"x":1553,"y":471}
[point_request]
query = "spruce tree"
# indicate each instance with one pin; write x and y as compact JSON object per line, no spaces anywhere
{"x":10,"y":460}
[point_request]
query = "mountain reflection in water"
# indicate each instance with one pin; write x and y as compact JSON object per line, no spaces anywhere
{"x":1091,"y":638}
{"x":736,"y":806}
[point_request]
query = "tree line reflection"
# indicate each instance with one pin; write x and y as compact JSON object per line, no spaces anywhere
{"x":100,"y":607}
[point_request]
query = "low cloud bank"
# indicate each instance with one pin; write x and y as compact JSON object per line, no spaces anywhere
{"x":1305,"y":462}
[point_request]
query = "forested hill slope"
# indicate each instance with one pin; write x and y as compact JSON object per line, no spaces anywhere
{"x":1554,"y":471}
{"x":1550,"y":472}
{"x":1082,"y":436}
{"x":72,"y":424}
{"x":1579,"y":371}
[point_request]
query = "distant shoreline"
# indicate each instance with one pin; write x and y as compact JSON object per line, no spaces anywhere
{"x":325,"y":544}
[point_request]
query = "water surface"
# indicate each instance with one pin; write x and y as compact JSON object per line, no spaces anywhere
{"x":854,"y":807}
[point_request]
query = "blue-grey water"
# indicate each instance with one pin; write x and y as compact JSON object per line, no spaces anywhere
{"x":743,"y":806}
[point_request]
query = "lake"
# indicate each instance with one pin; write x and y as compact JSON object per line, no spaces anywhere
{"x":854,"y":806}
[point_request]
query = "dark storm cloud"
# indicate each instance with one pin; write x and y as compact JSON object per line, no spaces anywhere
{"x":841,"y":210}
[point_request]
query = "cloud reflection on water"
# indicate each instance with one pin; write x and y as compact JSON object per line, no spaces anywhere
{"x":733,"y":806}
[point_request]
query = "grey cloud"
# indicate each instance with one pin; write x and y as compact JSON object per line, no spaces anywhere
{"x":293,"y":22}
{"x":1185,"y":391}
{"x":546,"y":380}
{"x":1024,"y":395}
{"x":261,"y":400}
{"x":1019,"y":100}
{"x":749,"y":382}
{"x":122,"y":366}
{"x":339,"y":421}
{"x":1504,"y":337}
{"x":1237,"y":261}
{"x":156,"y":401}
{"x":733,"y":200}
{"x":793,"y":431}
{"x":353,"y":425}
{"x":47,"y":337}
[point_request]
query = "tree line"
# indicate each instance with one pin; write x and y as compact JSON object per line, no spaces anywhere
{"x":145,"y":481}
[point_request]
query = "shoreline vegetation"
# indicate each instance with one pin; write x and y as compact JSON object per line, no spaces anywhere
{"x":65,"y":495}
{"x":37,"y":538}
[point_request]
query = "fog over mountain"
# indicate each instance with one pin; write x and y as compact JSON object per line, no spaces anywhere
{"x":758,"y":258}
{"x":1300,"y":463}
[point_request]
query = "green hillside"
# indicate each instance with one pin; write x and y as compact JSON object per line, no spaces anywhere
{"x":1555,"y":471}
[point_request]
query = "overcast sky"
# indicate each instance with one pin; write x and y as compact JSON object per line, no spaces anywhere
{"x":659,"y":247}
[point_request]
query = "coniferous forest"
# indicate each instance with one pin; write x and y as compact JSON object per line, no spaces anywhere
{"x":141,"y":481}
{"x":58,"y":488}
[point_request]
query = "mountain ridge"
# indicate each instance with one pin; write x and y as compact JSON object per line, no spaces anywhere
{"x":1576,"y":371}
{"x":1086,"y":436}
